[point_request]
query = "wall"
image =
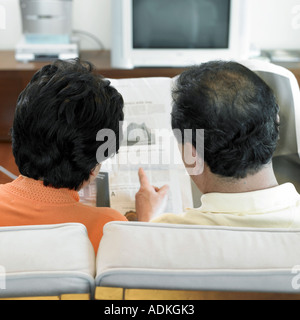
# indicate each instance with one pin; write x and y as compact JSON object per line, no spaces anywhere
{"x":275,"y":23}
{"x":92,"y":16}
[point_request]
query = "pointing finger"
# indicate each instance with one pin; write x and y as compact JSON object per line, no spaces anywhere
{"x":143,"y":178}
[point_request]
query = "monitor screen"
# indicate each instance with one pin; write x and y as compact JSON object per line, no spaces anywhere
{"x":181,"y":24}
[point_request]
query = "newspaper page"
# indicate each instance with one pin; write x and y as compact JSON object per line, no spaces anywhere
{"x":148,"y":143}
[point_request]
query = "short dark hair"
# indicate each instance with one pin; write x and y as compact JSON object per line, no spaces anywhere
{"x":238,"y":112}
{"x":56,"y":121}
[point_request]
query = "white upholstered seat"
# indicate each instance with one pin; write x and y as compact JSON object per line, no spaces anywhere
{"x":181,"y":257}
{"x":47,"y":260}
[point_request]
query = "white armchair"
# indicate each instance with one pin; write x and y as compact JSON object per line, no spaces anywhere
{"x":145,"y":259}
{"x":46,"y":261}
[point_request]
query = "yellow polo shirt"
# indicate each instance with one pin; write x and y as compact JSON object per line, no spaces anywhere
{"x":277,"y":207}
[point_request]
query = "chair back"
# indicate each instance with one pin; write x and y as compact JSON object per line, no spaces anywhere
{"x":190,"y":257}
{"x":286,"y":89}
{"x":46,"y":260}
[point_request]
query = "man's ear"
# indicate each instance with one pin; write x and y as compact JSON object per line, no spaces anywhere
{"x":193,"y":161}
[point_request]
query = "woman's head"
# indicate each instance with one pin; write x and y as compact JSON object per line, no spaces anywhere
{"x":57,"y":118}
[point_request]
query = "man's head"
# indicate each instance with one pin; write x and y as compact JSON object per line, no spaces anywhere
{"x":236,"y":109}
{"x":56,"y":122}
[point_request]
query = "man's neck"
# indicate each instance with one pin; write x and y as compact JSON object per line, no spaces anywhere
{"x":264,"y":179}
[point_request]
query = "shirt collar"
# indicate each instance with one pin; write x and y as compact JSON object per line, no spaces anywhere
{"x":254,"y":202}
{"x":36,"y":191}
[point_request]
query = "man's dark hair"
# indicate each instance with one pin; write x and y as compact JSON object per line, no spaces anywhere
{"x":57,"y":119}
{"x":238,"y":112}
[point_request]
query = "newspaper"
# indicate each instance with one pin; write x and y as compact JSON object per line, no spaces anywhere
{"x":148,"y":143}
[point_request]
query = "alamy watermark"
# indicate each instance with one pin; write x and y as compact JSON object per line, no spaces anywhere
{"x":296,"y":17}
{"x":2,"y":17}
{"x":296,"y":278}
{"x":2,"y":278}
{"x":141,"y":145}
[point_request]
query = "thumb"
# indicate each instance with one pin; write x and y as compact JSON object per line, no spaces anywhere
{"x":163,"y":190}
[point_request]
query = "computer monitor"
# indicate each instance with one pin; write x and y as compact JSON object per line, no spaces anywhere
{"x":177,"y":33}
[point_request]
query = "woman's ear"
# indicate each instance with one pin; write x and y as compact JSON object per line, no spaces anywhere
{"x":93,"y":175}
{"x":95,"y":171}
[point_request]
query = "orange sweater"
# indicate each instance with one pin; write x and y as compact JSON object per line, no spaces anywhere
{"x":26,"y":201}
